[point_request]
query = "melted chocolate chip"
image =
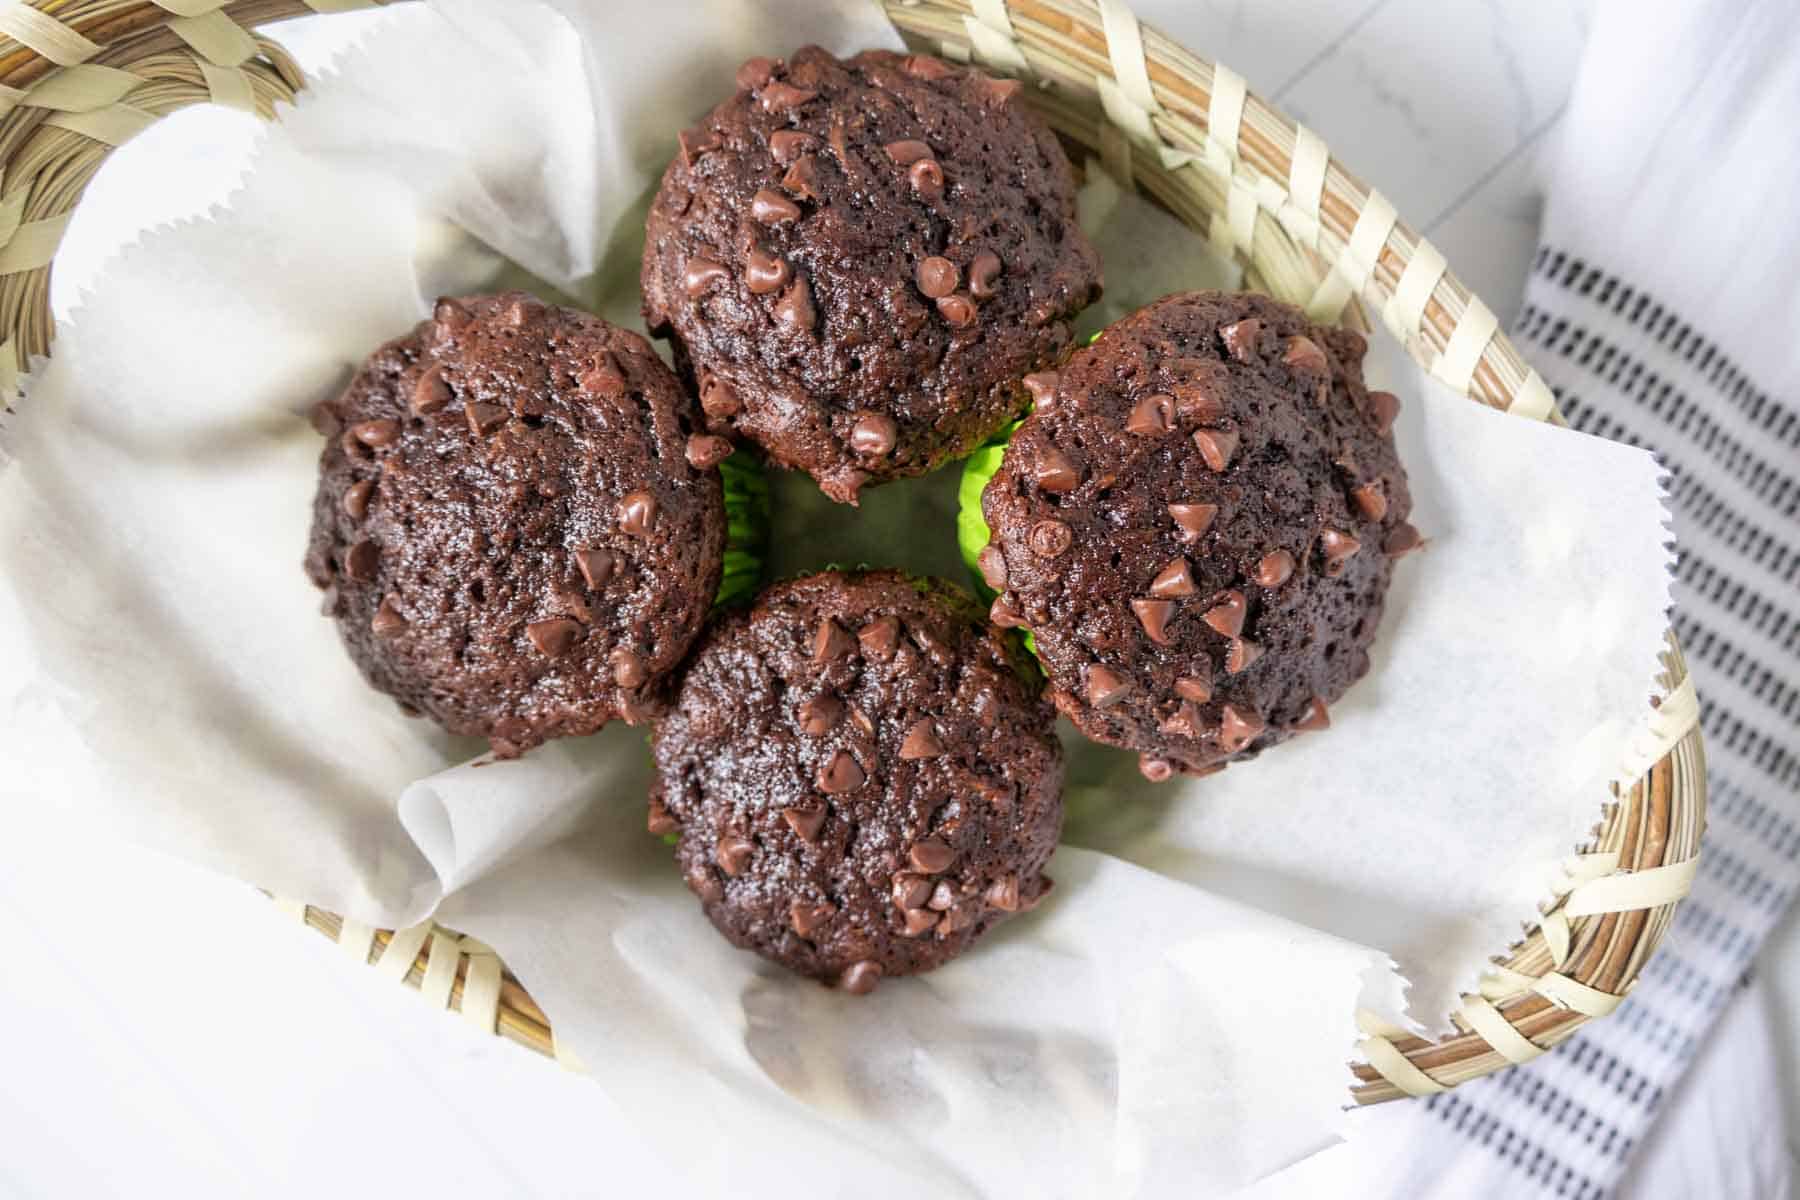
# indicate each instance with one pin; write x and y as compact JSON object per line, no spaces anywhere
{"x":362,"y":560}
{"x":957,"y":309}
{"x":795,"y":308}
{"x":1338,"y":548}
{"x":921,"y":741}
{"x":992,"y":564}
{"x":1384,"y":407}
{"x":805,"y":820}
{"x":757,"y":72}
{"x":1154,"y":616}
{"x":1053,"y":472}
{"x":819,"y":715}
{"x":831,"y":642}
{"x":1105,"y":686}
{"x":1042,"y":386}
{"x":1152,"y":416}
{"x":1314,"y":716}
{"x":880,"y":637}
{"x":628,"y":668}
{"x":719,"y":399}
{"x":431,"y":392}
{"x":860,"y":978}
{"x":637,"y":513}
{"x":841,"y":773}
{"x":1226,"y":616}
{"x":596,"y":567}
{"x":356,"y":500}
{"x":1156,"y":770}
{"x":1003,"y":893}
{"x":1274,"y":569}
{"x":733,"y":854}
{"x":1370,"y":500}
{"x":1240,"y":338}
{"x":984,"y":275}
{"x":1238,"y":728}
{"x":910,"y":891}
{"x":936,"y":276}
{"x":1402,"y":539}
{"x":787,"y":145}
{"x":806,"y":918}
{"x":931,"y":855}
{"x":706,"y":451}
{"x":780,"y":97}
{"x":1192,"y":687}
{"x":1240,"y":654}
{"x":927,"y":178}
{"x":874,"y":434}
{"x":702,"y":275}
{"x":659,"y":822}
{"x":765,"y":272}
{"x":1216,"y":447}
{"x":1050,"y":539}
{"x":1004,"y":613}
{"x":387,"y":621}
{"x":1193,"y":519}
{"x":1303,"y":354}
{"x":554,"y":636}
{"x":1174,"y":581}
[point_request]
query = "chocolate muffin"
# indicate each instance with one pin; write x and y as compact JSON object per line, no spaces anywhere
{"x":863,"y":778}
{"x":1197,"y":524}
{"x":517,"y":526}
{"x":859,"y":259}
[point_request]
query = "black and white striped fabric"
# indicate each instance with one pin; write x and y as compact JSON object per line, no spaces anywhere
{"x":1664,"y":311}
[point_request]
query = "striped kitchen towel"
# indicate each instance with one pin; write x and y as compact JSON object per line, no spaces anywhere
{"x":1664,"y":310}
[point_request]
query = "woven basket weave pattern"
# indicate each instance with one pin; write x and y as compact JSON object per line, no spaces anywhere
{"x":78,"y":77}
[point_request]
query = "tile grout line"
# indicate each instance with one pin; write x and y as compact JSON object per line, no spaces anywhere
{"x":1480,"y":181}
{"x":1327,"y":50}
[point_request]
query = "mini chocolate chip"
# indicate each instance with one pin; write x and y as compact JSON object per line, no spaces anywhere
{"x":1313,"y":717}
{"x":921,"y":741}
{"x":1174,"y":581}
{"x":806,"y":918}
{"x":860,"y":978}
{"x":1240,"y":338}
{"x":1050,"y":539}
{"x":1192,"y":687}
{"x":1401,"y":539}
{"x":992,"y":564}
{"x":628,"y":668}
{"x":637,"y":514}
{"x":1384,"y":407}
{"x":757,"y":72}
{"x":936,"y":276}
{"x":802,"y":178}
{"x":719,"y":399}
{"x":1226,"y":616}
{"x":450,"y":314}
{"x":923,"y":66}
{"x":706,"y":451}
{"x":831,"y":642}
{"x":553,"y":636}
{"x":1370,"y":500}
{"x":522,"y":310}
{"x":765,"y":272}
{"x":702,"y":274}
{"x":1042,"y":386}
{"x":1238,"y":728}
{"x":660,"y":822}
{"x":919,"y":921}
{"x":1004,"y":613}
{"x":360,"y":563}
{"x":1003,"y":893}
{"x":842,"y":773}
{"x":998,"y":91}
{"x":1274,"y":569}
{"x":1303,"y":354}
{"x":695,"y":142}
{"x":1053,"y":472}
{"x":387,"y":621}
{"x":382,"y":432}
{"x":1193,"y":519}
{"x":1338,"y":548}
{"x":1183,"y":722}
{"x":1154,"y":616}
{"x":818,"y":715}
{"x":1105,"y":686}
{"x":356,"y":499}
{"x":907,"y":152}
{"x":431,"y":392}
{"x":772,"y":208}
{"x":733,"y":854}
{"x":1196,"y":404}
{"x":1156,"y":770}
{"x":786,"y":145}
{"x":1152,"y":416}
{"x":354,"y":447}
{"x":931,"y":855}
{"x":1216,"y":446}
{"x":1241,"y":653}
{"x":874,"y":434}
{"x":596,"y":567}
{"x":927,"y":178}
{"x":605,"y":377}
{"x":957,"y":309}
{"x":984,"y":275}
{"x":879,"y":637}
{"x":910,"y":891}
{"x":795,"y":308}
{"x":484,"y":418}
{"x":943,"y":896}
{"x":805,"y":820}
{"x":780,"y":96}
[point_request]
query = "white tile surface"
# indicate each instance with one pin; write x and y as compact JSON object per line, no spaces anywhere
{"x":170,"y":1034}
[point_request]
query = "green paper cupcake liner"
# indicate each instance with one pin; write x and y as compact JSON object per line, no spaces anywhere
{"x":747,"y":529}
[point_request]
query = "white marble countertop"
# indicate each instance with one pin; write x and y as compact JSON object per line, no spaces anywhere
{"x":171,"y":1033}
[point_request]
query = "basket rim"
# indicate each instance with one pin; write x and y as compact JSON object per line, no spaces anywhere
{"x":78,"y":77}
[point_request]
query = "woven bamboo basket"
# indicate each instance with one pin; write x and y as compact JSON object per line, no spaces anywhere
{"x":78,"y":77}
